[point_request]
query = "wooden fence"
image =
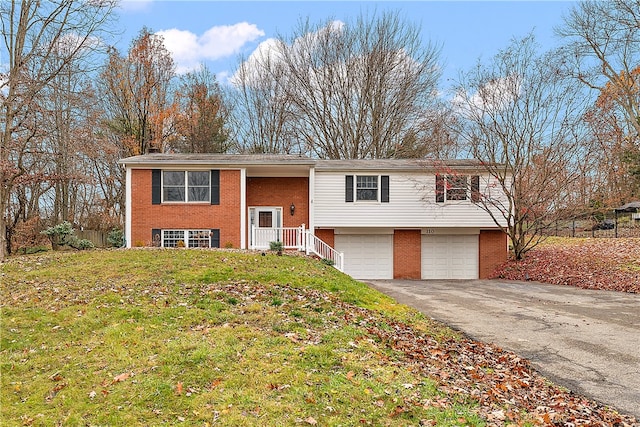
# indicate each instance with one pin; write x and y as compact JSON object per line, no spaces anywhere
{"x":98,"y":238}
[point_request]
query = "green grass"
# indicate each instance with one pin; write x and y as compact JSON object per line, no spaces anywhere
{"x":188,"y":337}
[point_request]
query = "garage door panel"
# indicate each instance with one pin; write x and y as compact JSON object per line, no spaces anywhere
{"x":450,"y":256}
{"x":366,"y":256}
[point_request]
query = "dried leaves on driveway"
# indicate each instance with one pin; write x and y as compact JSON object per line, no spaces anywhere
{"x":607,"y":264}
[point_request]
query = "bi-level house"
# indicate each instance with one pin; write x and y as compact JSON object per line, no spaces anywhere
{"x":375,"y":219}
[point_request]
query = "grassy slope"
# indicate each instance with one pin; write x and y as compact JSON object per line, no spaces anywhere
{"x":148,"y":337}
{"x":189,"y":337}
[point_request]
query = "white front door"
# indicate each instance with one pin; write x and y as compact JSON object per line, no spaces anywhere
{"x":266,"y":225}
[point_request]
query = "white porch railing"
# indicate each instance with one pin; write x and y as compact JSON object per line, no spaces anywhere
{"x":324,"y":251}
{"x":291,"y":237}
{"x":295,"y":238}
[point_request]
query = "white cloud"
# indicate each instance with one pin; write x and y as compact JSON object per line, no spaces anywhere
{"x":268,"y":51}
{"x":135,"y":5}
{"x":190,"y":50}
{"x":494,"y":96}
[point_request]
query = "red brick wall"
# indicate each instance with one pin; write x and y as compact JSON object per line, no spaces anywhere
{"x":407,"y":250}
{"x":493,"y":251}
{"x":281,"y":192}
{"x":146,"y":216}
{"x":326,"y":235}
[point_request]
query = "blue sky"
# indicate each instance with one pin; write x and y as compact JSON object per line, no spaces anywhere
{"x":217,"y":32}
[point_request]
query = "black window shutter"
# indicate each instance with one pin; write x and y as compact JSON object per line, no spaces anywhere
{"x":475,"y":188}
{"x":156,"y":186}
{"x":384,"y":188}
{"x":156,"y":237}
{"x":439,"y":189}
{"x":215,"y":187}
{"x":215,"y":238}
{"x":348,"y":188}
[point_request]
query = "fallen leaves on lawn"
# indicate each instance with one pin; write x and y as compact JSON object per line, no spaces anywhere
{"x":607,"y":264}
{"x":506,"y":387}
{"x":122,"y":377}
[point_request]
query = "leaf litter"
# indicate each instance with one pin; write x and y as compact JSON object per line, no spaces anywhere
{"x":605,"y":264}
{"x":508,"y":391}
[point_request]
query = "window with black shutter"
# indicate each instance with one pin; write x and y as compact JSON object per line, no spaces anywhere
{"x":475,"y":188}
{"x":348,"y":188}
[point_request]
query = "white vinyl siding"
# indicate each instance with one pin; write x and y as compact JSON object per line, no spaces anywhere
{"x":366,"y":256}
{"x":450,"y":256}
{"x":411,"y":204}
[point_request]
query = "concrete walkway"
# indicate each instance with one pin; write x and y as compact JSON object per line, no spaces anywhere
{"x":587,"y":341}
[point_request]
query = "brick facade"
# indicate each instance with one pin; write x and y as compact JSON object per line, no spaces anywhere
{"x":146,"y":216}
{"x":407,"y":250}
{"x":326,"y":235}
{"x":492,"y":251}
{"x":281,"y":192}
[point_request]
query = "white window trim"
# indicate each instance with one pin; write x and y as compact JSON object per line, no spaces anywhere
{"x":186,"y":187}
{"x":355,"y":189}
{"x":185,"y":239}
{"x":466,"y":188}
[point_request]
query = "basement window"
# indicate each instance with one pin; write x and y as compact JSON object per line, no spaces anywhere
{"x":186,"y":238}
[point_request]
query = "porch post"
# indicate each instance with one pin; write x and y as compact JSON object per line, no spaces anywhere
{"x":300,"y":238}
{"x":243,"y":208}
{"x":128,"y":209}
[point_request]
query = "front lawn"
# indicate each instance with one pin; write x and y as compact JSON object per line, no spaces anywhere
{"x":204,"y":338}
{"x":604,"y":263}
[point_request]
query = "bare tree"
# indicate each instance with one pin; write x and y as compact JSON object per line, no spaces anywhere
{"x":261,"y":114}
{"x":33,"y":32}
{"x":202,"y":116}
{"x":520,"y":116}
{"x":136,"y":94}
{"x":603,"y":51}
{"x":347,"y":90}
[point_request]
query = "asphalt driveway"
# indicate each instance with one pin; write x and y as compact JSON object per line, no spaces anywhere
{"x":587,"y":341}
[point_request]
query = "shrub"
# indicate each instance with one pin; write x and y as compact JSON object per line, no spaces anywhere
{"x":115,"y":238}
{"x":59,"y":234}
{"x":327,"y":261}
{"x":32,"y":250}
{"x":62,"y":235}
{"x":276,"y":246}
{"x":27,"y":235}
{"x":80,"y":244}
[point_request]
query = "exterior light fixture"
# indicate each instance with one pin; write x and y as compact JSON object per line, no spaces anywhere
{"x":292,"y":209}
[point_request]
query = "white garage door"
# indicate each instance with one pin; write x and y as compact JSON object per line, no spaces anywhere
{"x":366,"y":256}
{"x":449,"y":256}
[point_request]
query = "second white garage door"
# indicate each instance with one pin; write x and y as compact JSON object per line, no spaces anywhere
{"x":449,"y":256}
{"x":366,"y":256}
